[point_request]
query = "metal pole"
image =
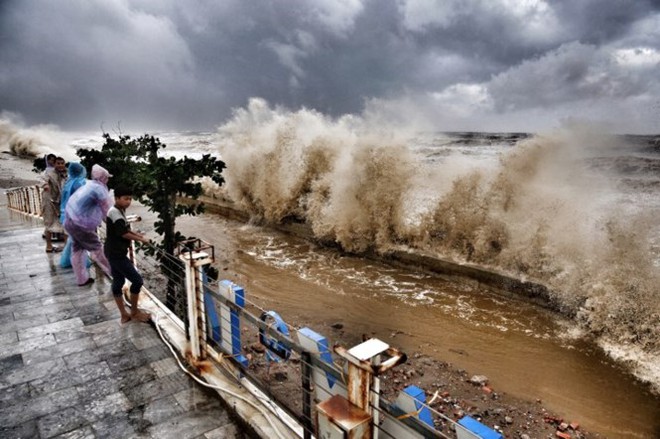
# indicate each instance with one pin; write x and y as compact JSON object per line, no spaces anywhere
{"x":375,"y":397}
{"x":308,"y":425}
{"x":191,"y":294}
{"x":194,"y":258}
{"x":200,"y":305}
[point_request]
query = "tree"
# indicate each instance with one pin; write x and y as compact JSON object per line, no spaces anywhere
{"x":157,"y":182}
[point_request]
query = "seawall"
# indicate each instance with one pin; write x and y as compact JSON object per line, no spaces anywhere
{"x":501,"y":283}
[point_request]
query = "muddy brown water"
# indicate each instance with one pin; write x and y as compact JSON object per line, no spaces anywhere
{"x":524,"y":350}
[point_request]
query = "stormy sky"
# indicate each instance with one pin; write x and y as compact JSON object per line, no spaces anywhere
{"x":492,"y":65}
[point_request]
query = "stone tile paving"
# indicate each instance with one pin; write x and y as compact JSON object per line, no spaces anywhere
{"x":69,"y":369}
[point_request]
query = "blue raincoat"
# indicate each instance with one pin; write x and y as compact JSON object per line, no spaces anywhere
{"x":77,"y":174}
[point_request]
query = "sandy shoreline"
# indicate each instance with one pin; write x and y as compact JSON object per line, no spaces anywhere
{"x":458,"y":393}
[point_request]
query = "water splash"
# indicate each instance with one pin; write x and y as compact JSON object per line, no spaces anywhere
{"x":34,"y":141}
{"x":538,"y":211}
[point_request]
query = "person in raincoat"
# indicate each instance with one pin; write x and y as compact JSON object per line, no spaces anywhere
{"x":52,"y":183}
{"x":84,"y":212}
{"x":76,"y":179}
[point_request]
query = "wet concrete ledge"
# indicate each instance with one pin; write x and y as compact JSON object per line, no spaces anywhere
{"x":501,"y":283}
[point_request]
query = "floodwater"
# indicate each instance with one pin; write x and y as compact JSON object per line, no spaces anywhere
{"x":525,"y":351}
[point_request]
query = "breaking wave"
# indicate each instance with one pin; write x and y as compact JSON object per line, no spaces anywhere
{"x":34,"y":141}
{"x":542,"y":208}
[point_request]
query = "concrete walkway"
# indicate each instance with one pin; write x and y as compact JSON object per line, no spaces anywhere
{"x":69,"y":369}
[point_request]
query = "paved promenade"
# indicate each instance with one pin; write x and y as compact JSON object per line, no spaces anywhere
{"x":69,"y":369}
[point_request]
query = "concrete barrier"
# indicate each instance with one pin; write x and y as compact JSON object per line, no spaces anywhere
{"x":529,"y":290}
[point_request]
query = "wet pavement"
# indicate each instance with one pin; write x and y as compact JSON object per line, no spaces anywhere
{"x":70,"y":369}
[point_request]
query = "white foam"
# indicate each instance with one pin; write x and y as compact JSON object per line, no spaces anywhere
{"x":644,"y":366}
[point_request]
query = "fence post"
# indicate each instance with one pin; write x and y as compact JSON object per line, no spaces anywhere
{"x":196,"y":254}
{"x":34,"y":191}
{"x":306,"y":366}
{"x":39,"y":206}
{"x":364,"y":368}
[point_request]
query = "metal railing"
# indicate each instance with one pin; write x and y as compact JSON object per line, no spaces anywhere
{"x":26,"y":199}
{"x":296,"y":369}
{"x":294,"y":372}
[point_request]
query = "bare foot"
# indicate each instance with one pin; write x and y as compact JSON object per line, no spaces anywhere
{"x":141,"y":316}
{"x":125,"y":318}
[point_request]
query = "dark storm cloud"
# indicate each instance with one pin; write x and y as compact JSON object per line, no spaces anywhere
{"x":169,"y":64}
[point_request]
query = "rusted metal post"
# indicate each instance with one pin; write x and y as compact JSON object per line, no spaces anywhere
{"x":306,"y":366}
{"x":364,"y":368}
{"x":195,"y":254}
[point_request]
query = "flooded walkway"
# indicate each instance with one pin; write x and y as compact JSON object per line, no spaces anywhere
{"x":69,"y":369}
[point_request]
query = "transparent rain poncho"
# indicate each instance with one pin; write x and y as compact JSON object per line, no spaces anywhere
{"x":89,"y":205}
{"x":84,"y":212}
{"x":76,"y":180}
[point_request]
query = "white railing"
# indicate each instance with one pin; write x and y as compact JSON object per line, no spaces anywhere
{"x":26,"y":199}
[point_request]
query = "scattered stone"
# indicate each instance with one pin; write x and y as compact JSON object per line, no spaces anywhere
{"x":337,"y":325}
{"x":562,"y":435}
{"x":258,"y":347}
{"x":552,"y":419}
{"x":508,"y":419}
{"x":458,"y":351}
{"x":279,"y":372}
{"x":479,"y":380}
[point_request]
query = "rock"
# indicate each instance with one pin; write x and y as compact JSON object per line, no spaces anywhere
{"x":508,"y":419}
{"x":479,"y":380}
{"x":258,"y":347}
{"x":337,"y":325}
{"x":279,"y":372}
{"x":524,"y":436}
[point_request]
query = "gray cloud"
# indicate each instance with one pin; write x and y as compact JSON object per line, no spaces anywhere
{"x":167,"y":64}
